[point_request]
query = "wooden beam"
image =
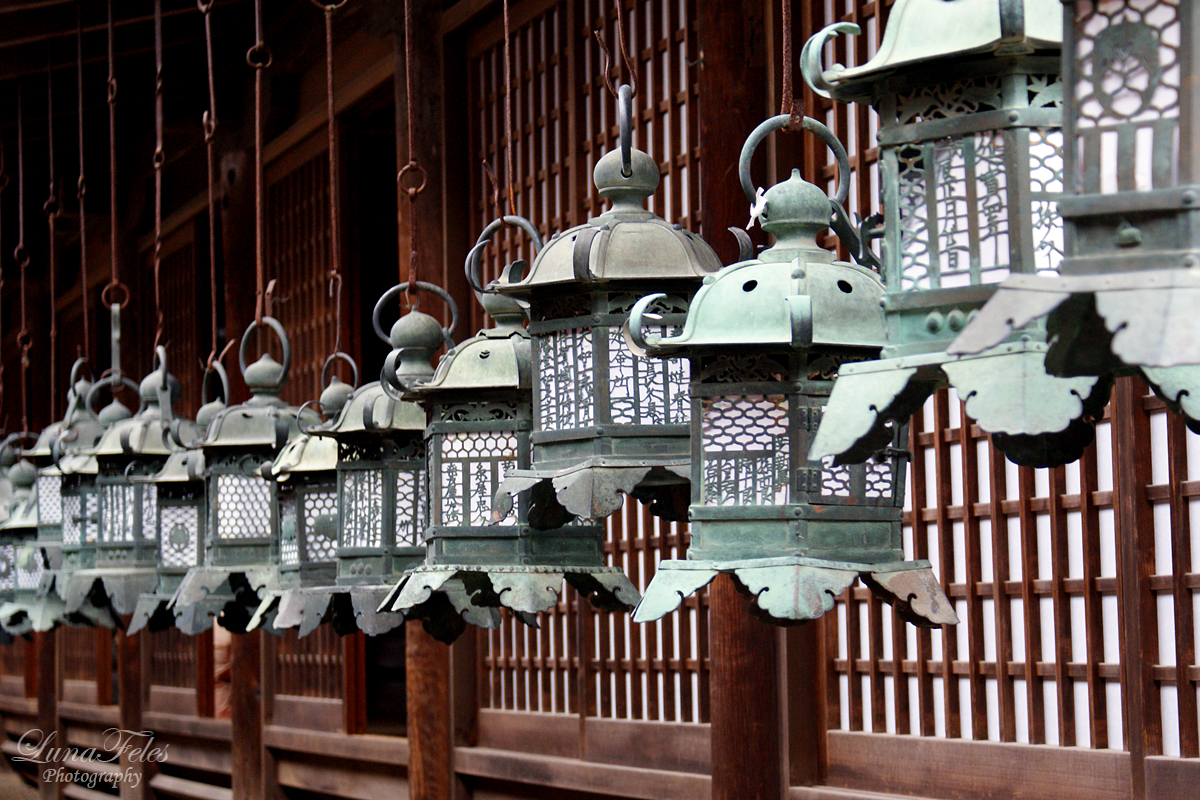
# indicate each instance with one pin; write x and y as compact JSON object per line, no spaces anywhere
{"x":49,"y":668}
{"x":430,"y":758}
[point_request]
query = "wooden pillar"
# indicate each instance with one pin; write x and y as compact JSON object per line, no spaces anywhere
{"x":430,"y":748}
{"x":747,"y":761}
{"x":246,"y":747}
{"x":129,"y":686}
{"x":47,"y":664}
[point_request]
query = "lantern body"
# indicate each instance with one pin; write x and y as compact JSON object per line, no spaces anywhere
{"x":306,"y":486}
{"x":21,"y":563}
{"x":479,"y":558}
{"x":242,"y":531}
{"x":766,"y":338}
{"x":607,"y":422}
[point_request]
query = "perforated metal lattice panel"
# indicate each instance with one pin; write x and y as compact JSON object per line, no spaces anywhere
{"x":89,"y":520}
{"x":472,"y":466}
{"x":71,"y":523}
{"x":180,"y":531}
{"x":289,"y":543}
{"x":243,"y":507}
{"x":149,"y":494}
{"x":320,"y":525}
{"x":646,"y":391}
{"x":117,"y":518}
{"x":49,"y":497}
{"x":411,"y":491}
{"x":29,"y":567}
{"x":565,"y":394}
{"x":836,"y":481}
{"x":8,"y":567}
{"x":745,"y":441}
{"x":362,"y":508}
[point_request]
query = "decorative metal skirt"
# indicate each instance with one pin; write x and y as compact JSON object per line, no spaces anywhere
{"x":232,"y":593}
{"x":346,"y":608}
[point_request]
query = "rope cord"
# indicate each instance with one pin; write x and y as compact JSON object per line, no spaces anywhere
{"x":51,"y":209}
{"x":259,"y":58}
{"x":158,"y":164}
{"x":81,"y":190}
{"x":21,"y":255}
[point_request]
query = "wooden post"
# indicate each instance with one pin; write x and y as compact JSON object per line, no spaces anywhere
{"x":430,"y":748}
{"x":47,"y":664}
{"x":246,"y":749}
{"x":129,"y":687}
{"x":747,"y":762}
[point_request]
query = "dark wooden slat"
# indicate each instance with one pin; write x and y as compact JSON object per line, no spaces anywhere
{"x":1031,"y":610}
{"x":1181,"y":564}
{"x":1062,"y":608}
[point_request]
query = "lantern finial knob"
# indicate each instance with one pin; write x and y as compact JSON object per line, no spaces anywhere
{"x":23,"y":474}
{"x":264,"y":375}
{"x":626,"y":193}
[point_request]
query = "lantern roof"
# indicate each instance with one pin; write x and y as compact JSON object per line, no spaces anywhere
{"x":23,"y":515}
{"x":370,"y":410}
{"x":181,"y":467}
{"x":923,"y":31}
{"x":264,"y":419}
{"x":143,"y":434}
{"x":305,"y":453}
{"x":495,"y":358}
{"x":79,"y":428}
{"x":625,"y":243}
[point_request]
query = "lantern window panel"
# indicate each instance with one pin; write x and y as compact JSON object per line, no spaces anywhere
{"x":49,"y":496}
{"x":8,"y":558}
{"x":362,"y":508}
{"x":72,"y":520}
{"x":180,"y":527}
{"x":646,"y":391}
{"x":411,"y":505}
{"x":949,"y":100}
{"x":89,"y":520}
{"x":746,"y":453}
{"x":149,"y":498}
{"x":29,"y":568}
{"x":118,"y":520}
{"x":472,"y":466}
{"x":289,"y":542}
{"x":242,"y":507}
{"x":565,"y":380}
{"x":320,"y":524}
{"x":1046,"y":184}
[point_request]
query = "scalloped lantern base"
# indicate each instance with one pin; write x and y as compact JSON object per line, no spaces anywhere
{"x":346,"y":608}
{"x":795,"y":589}
{"x":448,"y":597}
{"x":595,"y":490}
{"x":231,"y":594}
{"x":117,"y":588}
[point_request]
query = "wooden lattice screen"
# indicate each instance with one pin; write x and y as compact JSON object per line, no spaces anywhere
{"x":580,"y":661}
{"x":311,"y":666}
{"x":12,"y":658}
{"x":173,"y":659}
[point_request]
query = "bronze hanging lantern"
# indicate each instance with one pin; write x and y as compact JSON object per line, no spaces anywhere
{"x":22,"y":563}
{"x":478,"y":433}
{"x":765,"y":338}
{"x":1124,"y":301}
{"x":241,"y":546}
{"x":969,"y":99}
{"x":128,"y":452}
{"x":607,"y":422}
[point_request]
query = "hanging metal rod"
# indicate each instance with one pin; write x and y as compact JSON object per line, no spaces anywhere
{"x":6,"y":44}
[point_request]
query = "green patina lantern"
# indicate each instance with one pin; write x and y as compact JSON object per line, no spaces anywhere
{"x":128,"y":452}
{"x":765,"y":338}
{"x":1126,"y":296}
{"x":606,"y":421}
{"x":969,"y":100}
{"x":22,"y":564}
{"x":242,"y":532}
{"x":181,"y":519}
{"x":381,"y":490}
{"x":478,"y":433}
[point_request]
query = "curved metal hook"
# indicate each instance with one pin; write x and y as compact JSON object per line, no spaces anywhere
{"x":745,"y":245}
{"x":164,"y":385}
{"x":637,"y":314}
{"x":473,"y":265}
{"x":219,"y":369}
{"x":107,"y":380}
{"x":388,"y":380}
{"x":625,"y":123}
{"x":391,"y":293}
{"x":810,"y":57}
{"x":79,"y":364}
{"x":276,"y":326}
{"x":300,"y":421}
{"x":780,"y":122}
{"x":339,"y":356}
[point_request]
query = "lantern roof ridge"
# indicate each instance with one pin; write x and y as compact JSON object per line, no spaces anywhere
{"x":485,"y":361}
{"x":369,"y":409}
{"x":920,"y":31}
{"x":305,"y":453}
{"x":181,"y":466}
{"x":145,"y":433}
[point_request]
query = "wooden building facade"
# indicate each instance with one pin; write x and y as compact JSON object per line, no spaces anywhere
{"x":1073,"y":672}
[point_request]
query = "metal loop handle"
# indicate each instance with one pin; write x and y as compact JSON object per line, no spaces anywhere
{"x":164,"y":385}
{"x":219,"y":369}
{"x":111,"y":379}
{"x":393,"y":292}
{"x":106,"y":298}
{"x":778,"y":123}
{"x":412,"y":191}
{"x":386,"y":377}
{"x":625,"y":123}
{"x":637,"y":315}
{"x":81,"y":363}
{"x":259,"y":56}
{"x":810,"y":58}
{"x":474,"y":264}
{"x":339,"y":356}
{"x":300,"y":417}
{"x":276,"y":326}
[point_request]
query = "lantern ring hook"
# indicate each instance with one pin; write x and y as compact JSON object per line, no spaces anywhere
{"x":778,"y":123}
{"x":24,"y":339}
{"x":204,"y":7}
{"x":637,"y":316}
{"x":625,"y":123}
{"x":393,"y":292}
{"x":259,"y":56}
{"x":219,"y":369}
{"x":810,"y":58}
{"x":339,"y":356}
{"x":414,"y":167}
{"x":276,"y":326}
{"x":329,"y":8}
{"x":473,"y":266}
{"x":21,"y":254}
{"x":106,"y":294}
{"x":112,"y":380}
